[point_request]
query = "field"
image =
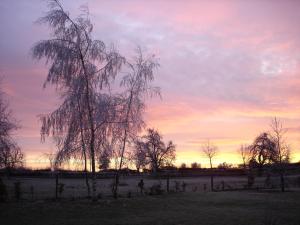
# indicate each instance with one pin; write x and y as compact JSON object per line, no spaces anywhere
{"x":44,"y":188}
{"x":240,"y":208}
{"x":263,"y":207}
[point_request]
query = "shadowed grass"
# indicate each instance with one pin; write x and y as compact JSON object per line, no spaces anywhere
{"x":240,"y":208}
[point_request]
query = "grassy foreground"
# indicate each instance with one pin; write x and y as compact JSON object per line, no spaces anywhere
{"x":240,"y":208}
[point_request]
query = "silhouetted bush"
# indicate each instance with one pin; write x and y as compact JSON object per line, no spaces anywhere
{"x":156,"y":190}
{"x":195,"y":165}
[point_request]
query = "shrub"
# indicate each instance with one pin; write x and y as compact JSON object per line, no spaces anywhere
{"x":156,"y":189}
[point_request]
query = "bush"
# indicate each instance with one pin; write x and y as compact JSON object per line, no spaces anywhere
{"x":156,"y":189}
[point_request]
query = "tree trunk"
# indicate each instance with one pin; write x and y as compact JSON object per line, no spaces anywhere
{"x":211,"y":176}
{"x":86,"y":175}
{"x":120,"y":166}
{"x":115,"y":190}
{"x":92,"y":129}
{"x":123,"y":147}
{"x":168,"y":183}
{"x":94,"y":184}
{"x":56,"y":186}
{"x":84,"y":150}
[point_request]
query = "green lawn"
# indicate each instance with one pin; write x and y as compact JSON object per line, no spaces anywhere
{"x":240,"y":208}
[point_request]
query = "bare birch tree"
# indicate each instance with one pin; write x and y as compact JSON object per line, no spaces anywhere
{"x":210,"y":151}
{"x":137,"y":84}
{"x":80,"y":68}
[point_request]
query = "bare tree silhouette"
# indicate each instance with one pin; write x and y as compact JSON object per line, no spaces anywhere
{"x":11,"y":155}
{"x":263,"y":150}
{"x":139,"y":156}
{"x":210,"y":151}
{"x":137,"y":87}
{"x":80,"y":68}
{"x":158,"y":153}
{"x":282,"y":152}
{"x":244,"y":152}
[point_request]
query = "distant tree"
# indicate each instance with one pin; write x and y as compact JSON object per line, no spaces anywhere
{"x":195,"y":165}
{"x":248,"y":163}
{"x":182,"y":166}
{"x":139,"y":156}
{"x":245,"y":154}
{"x":157,"y":152}
{"x":210,"y":151}
{"x":282,"y":153}
{"x":224,"y":165}
{"x":104,"y":160}
{"x":51,"y":157}
{"x":263,"y":151}
{"x":11,"y":155}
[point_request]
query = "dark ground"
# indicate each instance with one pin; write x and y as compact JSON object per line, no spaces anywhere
{"x":211,"y":208}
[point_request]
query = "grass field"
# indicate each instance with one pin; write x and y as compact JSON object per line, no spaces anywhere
{"x":41,"y":188}
{"x":236,"y":208}
{"x":195,"y":206}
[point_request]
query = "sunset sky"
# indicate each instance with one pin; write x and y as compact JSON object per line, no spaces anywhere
{"x":227,"y":68}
